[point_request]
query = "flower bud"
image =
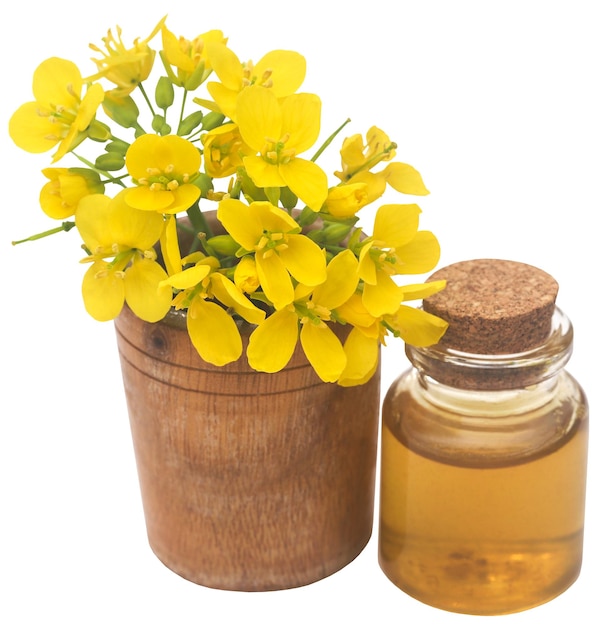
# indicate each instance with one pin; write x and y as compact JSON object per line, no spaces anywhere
{"x":117,"y":145}
{"x":203,"y":182}
{"x":224,"y":245}
{"x":164,"y":93}
{"x":110,"y":162}
{"x":159,"y":125}
{"x":199,"y":74}
{"x":97,"y":131}
{"x":60,"y":196}
{"x":246,"y":275}
{"x":211,"y":120}
{"x":190,"y":123}
{"x":346,"y":200}
{"x":123,"y":111}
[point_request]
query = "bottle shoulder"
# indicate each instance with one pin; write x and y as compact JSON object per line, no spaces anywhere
{"x":486,"y":428}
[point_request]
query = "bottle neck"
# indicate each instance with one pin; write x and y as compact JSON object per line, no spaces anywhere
{"x":497,"y":372}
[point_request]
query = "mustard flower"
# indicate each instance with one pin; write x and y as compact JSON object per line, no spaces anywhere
{"x":359,"y":157}
{"x":280,"y":130}
{"x":395,"y":247}
{"x":123,"y":262}
{"x":60,"y":196}
{"x":223,"y":150}
{"x":279,"y":250}
{"x":189,"y":57}
{"x":414,"y":326}
{"x":125,"y":67}
{"x":282,"y":71}
{"x":59,"y":116}
{"x":163,"y":169}
{"x":272,"y":344}
{"x":212,"y":329}
{"x":345,"y":200}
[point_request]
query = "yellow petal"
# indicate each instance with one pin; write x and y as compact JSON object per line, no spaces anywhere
{"x":287,"y":71}
{"x":405,"y":179}
{"x":91,"y":219}
{"x":306,"y":180}
{"x":383,"y":297}
{"x":396,"y":224}
{"x":273,"y":342}
{"x":103,"y":292}
{"x":169,"y":246}
{"x":417,"y":327}
{"x":243,"y":224}
{"x":323,"y":351}
{"x":262,"y":173}
{"x":226,"y":66}
{"x":258,"y":116}
{"x":183,"y":198}
{"x":420,"y":255}
{"x":57,"y":82}
{"x":275,"y":280}
{"x":341,"y":281}
{"x":174,"y":53}
{"x":213,"y":332}
{"x":304,"y":260}
{"x":144,"y":199}
{"x":367,"y":268}
{"x":131,"y":227}
{"x":362,"y":358}
{"x":422,"y":290}
{"x":228,"y":293}
{"x":188,"y":278}
{"x":301,"y":120}
{"x":143,"y":294}
{"x":32,"y":132}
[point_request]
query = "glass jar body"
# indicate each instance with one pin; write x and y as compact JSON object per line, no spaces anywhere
{"x":483,"y":490}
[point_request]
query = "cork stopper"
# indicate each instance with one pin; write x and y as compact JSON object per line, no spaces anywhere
{"x":494,"y":306}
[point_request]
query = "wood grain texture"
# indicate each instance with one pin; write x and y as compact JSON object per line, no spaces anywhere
{"x":249,"y":481}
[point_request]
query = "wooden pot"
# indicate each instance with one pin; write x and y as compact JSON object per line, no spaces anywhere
{"x":249,"y":481}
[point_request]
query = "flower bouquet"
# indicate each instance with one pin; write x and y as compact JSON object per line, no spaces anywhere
{"x":288,"y":257}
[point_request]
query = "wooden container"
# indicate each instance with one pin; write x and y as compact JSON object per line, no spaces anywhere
{"x":249,"y":481}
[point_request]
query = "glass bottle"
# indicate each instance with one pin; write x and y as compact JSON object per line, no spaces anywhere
{"x":484,"y":449}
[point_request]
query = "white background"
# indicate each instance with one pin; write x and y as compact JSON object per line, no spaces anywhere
{"x":498,"y":104}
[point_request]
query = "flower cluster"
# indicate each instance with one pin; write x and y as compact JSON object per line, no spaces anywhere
{"x":284,"y":251}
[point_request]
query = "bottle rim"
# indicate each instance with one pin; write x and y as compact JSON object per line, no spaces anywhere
{"x":498,"y":371}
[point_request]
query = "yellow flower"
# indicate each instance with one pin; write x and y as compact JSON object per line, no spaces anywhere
{"x":280,"y":130}
{"x":111,"y":229}
{"x":213,"y":331}
{"x":359,"y":157}
{"x":223,"y":151}
{"x":346,"y":200}
{"x":59,"y":115}
{"x":280,"y":251}
{"x":416,"y":326}
{"x":396,"y":247}
{"x":274,"y":341}
{"x":189,"y":57}
{"x":163,"y":169}
{"x":125,"y":67}
{"x":59,"y":198}
{"x":282,"y":71}
{"x":246,"y":275}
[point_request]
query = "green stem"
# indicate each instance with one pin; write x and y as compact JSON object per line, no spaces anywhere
{"x":146,"y":97}
{"x":374,"y":161}
{"x":64,"y":227}
{"x":182,"y":107}
{"x":110,"y":178}
{"x":198,"y":220}
{"x":329,"y":140}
